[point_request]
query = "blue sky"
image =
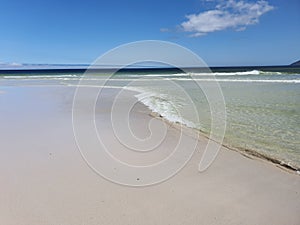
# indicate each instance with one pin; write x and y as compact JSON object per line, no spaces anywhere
{"x":222,"y":33}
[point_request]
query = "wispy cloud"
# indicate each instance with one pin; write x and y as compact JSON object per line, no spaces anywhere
{"x":164,"y":30}
{"x":12,"y":64}
{"x":232,"y":14}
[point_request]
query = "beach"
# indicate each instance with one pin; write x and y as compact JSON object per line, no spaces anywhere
{"x":45,"y":179}
{"x":150,"y":112}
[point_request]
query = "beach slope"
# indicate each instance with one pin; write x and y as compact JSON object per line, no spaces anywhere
{"x":44,"y":179}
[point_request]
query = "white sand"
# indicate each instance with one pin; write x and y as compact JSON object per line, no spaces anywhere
{"x":44,"y":180}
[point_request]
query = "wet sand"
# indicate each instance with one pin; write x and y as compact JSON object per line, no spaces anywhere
{"x":44,"y":179}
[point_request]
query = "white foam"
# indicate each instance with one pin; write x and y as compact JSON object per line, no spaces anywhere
{"x":252,"y":72}
{"x":144,"y":78}
{"x":188,"y":74}
{"x":158,"y":103}
{"x":95,"y":86}
{"x":161,"y":104}
{"x":294,"y":81}
{"x":156,"y":75}
{"x":239,"y":73}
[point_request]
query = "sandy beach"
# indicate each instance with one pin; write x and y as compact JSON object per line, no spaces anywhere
{"x":45,"y":180}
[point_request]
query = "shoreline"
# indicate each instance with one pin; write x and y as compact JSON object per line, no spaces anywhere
{"x":250,"y":153}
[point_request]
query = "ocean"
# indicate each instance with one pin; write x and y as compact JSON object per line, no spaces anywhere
{"x":262,"y":103}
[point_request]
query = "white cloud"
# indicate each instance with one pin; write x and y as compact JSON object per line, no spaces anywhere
{"x":229,"y":14}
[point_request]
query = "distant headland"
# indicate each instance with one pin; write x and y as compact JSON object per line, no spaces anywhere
{"x":296,"y":63}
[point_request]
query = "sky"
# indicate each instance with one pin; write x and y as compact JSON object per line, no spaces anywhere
{"x":222,"y":33}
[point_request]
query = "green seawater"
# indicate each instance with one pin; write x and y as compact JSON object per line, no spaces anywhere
{"x":262,"y":106}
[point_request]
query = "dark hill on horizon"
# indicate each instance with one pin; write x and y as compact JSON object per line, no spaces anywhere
{"x":296,"y":63}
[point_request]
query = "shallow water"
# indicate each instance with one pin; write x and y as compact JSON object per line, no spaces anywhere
{"x":262,"y":108}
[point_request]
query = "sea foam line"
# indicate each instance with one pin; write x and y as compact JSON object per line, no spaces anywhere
{"x":144,"y":78}
{"x":163,"y":105}
{"x":242,"y":80}
{"x":295,"y":81}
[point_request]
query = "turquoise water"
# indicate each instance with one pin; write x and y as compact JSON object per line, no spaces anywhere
{"x":263,"y":108}
{"x":264,"y":117}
